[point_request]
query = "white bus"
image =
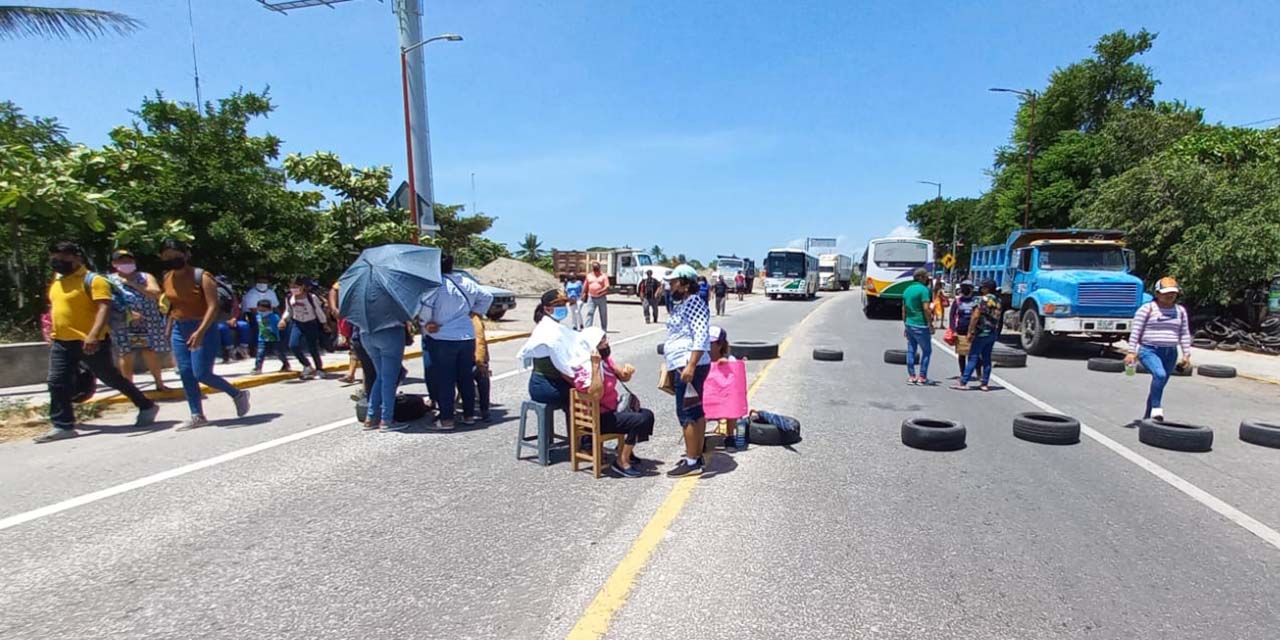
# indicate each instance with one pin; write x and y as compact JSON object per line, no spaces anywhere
{"x":790,"y":272}
{"x":886,"y":268}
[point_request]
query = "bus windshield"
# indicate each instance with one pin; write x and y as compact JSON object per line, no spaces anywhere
{"x":902,"y":253}
{"x":785,"y":265}
{"x":1095,"y":258}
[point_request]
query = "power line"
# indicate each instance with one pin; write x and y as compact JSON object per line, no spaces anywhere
{"x":1250,"y":124}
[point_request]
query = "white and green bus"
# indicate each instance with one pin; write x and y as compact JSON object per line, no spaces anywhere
{"x":887,"y":265}
{"x":790,"y":273}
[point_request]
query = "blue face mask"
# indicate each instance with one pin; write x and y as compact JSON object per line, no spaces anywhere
{"x":560,"y":313}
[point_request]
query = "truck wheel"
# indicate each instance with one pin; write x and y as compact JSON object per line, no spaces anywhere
{"x":773,"y":296}
{"x":1035,"y":340}
{"x":844,"y":286}
{"x":870,"y":308}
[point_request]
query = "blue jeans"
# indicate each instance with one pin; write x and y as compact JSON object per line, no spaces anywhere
{"x":196,"y":365}
{"x":267,"y":348}
{"x":919,"y":337}
{"x":692,"y":413}
{"x":386,"y":356}
{"x":451,"y":364}
{"x":308,"y":333}
{"x":979,"y":353}
{"x":233,"y":333}
{"x":1160,"y":362}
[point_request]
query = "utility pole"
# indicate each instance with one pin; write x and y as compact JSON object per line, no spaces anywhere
{"x":955,"y":227}
{"x":1031,"y":145}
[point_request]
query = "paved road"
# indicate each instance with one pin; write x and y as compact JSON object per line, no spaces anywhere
{"x":344,"y":534}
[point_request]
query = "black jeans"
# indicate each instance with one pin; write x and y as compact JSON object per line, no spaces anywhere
{"x":64,"y":356}
{"x":366,"y":365}
{"x":636,"y":425}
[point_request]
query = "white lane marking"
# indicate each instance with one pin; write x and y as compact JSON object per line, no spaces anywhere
{"x":1249,"y":523}
{"x":80,"y":501}
{"x":88,"y":498}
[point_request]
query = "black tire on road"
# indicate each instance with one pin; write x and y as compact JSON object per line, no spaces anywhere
{"x":1107,"y":365}
{"x":1228,"y":346}
{"x":763,"y":433}
{"x":1216,"y":371}
{"x":754,"y":350}
{"x":1009,"y":359}
{"x":895,"y":356}
{"x":828,"y":355}
{"x":1265,"y":434}
{"x":1046,"y":428}
{"x":933,"y":434}
{"x":1176,"y":436}
{"x":1178,"y":370}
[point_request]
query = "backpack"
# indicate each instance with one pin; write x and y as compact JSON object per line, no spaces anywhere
{"x":226,"y":296}
{"x":988,"y":316}
{"x":121,"y":302}
{"x":409,"y":407}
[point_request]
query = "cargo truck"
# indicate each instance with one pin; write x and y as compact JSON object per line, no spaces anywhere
{"x":626,"y":267}
{"x":729,"y":266}
{"x":1060,"y":284}
{"x":835,"y":272}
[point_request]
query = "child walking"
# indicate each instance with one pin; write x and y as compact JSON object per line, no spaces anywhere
{"x":269,"y":337}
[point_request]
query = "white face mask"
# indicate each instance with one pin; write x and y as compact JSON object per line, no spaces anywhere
{"x":261,"y":286}
{"x":126,"y":268}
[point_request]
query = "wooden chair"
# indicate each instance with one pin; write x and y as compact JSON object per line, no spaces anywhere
{"x":584,"y":420}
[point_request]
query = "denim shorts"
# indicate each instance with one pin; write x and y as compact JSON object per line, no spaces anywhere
{"x":693,"y":412}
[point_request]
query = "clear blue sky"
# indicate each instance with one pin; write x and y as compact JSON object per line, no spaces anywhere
{"x":706,"y":127}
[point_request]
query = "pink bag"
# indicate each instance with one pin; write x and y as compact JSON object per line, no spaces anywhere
{"x":724,"y":394}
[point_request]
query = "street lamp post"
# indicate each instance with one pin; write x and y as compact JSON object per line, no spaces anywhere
{"x":408,"y":132}
{"x":955,"y":225}
{"x":1031,"y":145}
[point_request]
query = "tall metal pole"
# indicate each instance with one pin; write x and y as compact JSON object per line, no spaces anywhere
{"x":1031,"y":158}
{"x":414,"y":77}
{"x":408,"y":138}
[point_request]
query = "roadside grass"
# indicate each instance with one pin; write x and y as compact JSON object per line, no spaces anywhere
{"x":21,"y":419}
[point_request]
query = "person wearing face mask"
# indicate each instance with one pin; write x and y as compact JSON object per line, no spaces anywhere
{"x":688,"y":361}
{"x":193,"y":307}
{"x":961,"y":313}
{"x":261,"y":290}
{"x":573,"y":291}
{"x":600,"y":379}
{"x":597,"y":297}
{"x":80,"y":305}
{"x":304,"y":316}
{"x":145,"y":333}
{"x":547,"y":384}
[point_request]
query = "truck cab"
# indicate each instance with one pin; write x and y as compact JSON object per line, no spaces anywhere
{"x":1064,"y":283}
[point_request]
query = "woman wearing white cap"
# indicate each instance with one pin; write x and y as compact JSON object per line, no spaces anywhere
{"x":687,"y":346}
{"x":1159,"y":328}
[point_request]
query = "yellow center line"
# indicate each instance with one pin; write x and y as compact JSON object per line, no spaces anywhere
{"x":594,"y":622}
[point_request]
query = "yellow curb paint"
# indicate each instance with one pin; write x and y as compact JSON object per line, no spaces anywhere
{"x":594,"y":623}
{"x":250,"y":382}
{"x":1247,"y":376}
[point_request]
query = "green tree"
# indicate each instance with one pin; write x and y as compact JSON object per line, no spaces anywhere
{"x":481,"y":251}
{"x":658,"y":256}
{"x":530,"y":249}
{"x":63,"y":23}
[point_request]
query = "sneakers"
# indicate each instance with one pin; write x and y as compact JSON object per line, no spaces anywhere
{"x":242,"y":404}
{"x":468,"y":421}
{"x":629,"y":472}
{"x":194,"y":422}
{"x":56,"y":433}
{"x":395,"y":426}
{"x":307,"y":373}
{"x":1157,"y":414}
{"x":255,"y":371}
{"x":147,"y":416}
{"x":372,"y":425}
{"x":686,"y":468}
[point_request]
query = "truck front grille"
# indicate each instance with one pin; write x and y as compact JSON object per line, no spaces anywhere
{"x":1107,"y":294}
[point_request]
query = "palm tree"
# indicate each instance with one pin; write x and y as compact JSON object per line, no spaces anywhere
{"x":531,"y":249}
{"x":48,"y":22}
{"x":657,"y":254}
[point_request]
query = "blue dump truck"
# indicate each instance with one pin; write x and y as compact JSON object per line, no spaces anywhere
{"x":1060,"y":284}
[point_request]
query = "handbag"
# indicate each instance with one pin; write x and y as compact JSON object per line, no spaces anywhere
{"x":949,"y":337}
{"x":962,"y":345}
{"x":667,"y":381}
{"x":629,"y":402}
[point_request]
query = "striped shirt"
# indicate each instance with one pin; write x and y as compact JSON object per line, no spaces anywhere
{"x":1156,"y":327}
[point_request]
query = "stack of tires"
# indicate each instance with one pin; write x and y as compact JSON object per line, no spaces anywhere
{"x":1230,"y":334}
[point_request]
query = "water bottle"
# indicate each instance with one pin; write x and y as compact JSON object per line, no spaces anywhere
{"x":740,"y":435}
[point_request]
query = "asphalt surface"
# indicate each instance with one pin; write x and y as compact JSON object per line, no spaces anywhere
{"x":345,"y":534}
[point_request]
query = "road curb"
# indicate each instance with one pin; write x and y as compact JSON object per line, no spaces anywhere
{"x":250,"y":382}
{"x":1248,"y":376}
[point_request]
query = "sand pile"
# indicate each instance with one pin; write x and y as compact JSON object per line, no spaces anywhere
{"x":521,"y":278}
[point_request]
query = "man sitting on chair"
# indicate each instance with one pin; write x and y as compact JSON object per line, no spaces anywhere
{"x":600,"y":381}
